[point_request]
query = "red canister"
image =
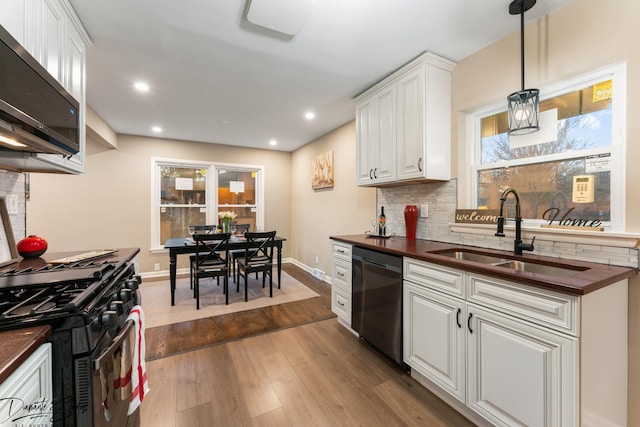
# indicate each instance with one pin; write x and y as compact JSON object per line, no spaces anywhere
{"x":411,"y":221}
{"x":32,"y":247}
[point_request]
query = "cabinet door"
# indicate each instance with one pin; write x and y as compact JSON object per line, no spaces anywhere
{"x":383,"y":158}
{"x":74,"y":82}
{"x":51,"y":49}
{"x":519,"y":374}
{"x":364,"y":141}
{"x":434,"y":337}
{"x":27,"y":394}
{"x":376,"y":137}
{"x":411,"y":126}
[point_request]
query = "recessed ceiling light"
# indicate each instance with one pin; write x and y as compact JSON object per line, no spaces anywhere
{"x":141,"y":86}
{"x":309,"y":115}
{"x":156,"y":129}
{"x":273,"y":142}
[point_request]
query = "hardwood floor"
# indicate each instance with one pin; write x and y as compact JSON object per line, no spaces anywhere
{"x":167,"y":340}
{"x":273,"y":374}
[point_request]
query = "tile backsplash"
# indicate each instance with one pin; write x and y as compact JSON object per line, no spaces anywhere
{"x":441,"y":198}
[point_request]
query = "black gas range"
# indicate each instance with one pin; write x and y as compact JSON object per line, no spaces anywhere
{"x":87,"y":304}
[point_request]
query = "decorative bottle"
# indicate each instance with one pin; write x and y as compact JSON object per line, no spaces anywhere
{"x":382,"y":220}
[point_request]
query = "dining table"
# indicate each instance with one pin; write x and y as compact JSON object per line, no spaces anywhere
{"x":186,"y":245}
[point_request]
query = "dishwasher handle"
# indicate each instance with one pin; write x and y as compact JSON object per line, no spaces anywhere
{"x":385,"y":266}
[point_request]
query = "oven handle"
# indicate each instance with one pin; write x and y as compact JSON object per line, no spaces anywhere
{"x":117,"y":341}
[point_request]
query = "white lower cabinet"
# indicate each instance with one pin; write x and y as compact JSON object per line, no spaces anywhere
{"x":519,"y":374}
{"x":509,"y":354}
{"x":341,"y":282}
{"x":434,"y":343}
{"x":27,"y":395}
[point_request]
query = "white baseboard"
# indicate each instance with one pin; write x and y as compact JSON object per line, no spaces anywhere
{"x":326,"y":278}
{"x":164,"y":274}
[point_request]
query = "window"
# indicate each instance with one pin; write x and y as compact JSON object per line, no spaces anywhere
{"x":586,"y":119}
{"x":192,"y":193}
{"x":237,"y":193}
{"x":183,"y":198}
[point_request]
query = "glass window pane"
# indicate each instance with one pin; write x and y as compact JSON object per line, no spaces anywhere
{"x":182,"y":185}
{"x":542,"y":186}
{"x":174,"y":221}
{"x":584,"y":122}
{"x":237,"y":193}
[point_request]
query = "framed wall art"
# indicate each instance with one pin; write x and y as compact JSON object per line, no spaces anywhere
{"x":322,"y":171}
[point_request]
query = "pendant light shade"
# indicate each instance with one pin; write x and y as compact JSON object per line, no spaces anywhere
{"x":523,"y":107}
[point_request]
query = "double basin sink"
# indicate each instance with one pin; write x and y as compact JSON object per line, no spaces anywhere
{"x":513,"y":264}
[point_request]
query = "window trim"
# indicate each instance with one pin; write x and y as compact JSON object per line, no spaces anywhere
{"x":211,"y":197}
{"x":618,"y":73}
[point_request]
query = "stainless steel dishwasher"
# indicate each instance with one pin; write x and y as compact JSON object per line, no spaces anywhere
{"x":376,"y":305}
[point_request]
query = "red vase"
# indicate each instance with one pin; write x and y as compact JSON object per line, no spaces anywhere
{"x":411,"y":221}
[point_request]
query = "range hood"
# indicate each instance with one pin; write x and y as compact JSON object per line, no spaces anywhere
{"x":37,"y":115}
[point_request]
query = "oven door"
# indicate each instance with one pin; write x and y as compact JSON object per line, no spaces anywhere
{"x":110,"y":404}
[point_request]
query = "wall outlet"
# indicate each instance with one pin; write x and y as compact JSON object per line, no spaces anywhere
{"x":424,"y":210}
{"x":317,"y":259}
{"x":156,"y":266}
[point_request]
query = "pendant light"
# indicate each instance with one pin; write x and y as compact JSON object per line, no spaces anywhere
{"x":523,"y":106}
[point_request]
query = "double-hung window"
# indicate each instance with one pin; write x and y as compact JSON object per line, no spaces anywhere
{"x":572,"y":170}
{"x":188,"y":193}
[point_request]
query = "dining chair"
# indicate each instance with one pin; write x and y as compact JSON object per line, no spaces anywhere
{"x":211,"y":260}
{"x":258,"y":257}
{"x":197,"y":229}
{"x":241,"y":229}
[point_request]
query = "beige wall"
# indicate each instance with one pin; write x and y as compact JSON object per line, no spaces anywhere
{"x":581,"y":37}
{"x":343,"y":209}
{"x":110,"y":205}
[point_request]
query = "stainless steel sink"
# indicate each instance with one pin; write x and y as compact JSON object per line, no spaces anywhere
{"x":547,"y":270}
{"x":526,"y":266}
{"x":474,"y":257}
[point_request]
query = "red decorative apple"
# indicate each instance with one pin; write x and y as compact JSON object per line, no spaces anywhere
{"x":32,"y":247}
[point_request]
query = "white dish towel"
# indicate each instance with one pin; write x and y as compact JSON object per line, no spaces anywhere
{"x":139,"y":382}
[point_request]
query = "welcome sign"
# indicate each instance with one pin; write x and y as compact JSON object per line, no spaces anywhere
{"x":477,"y":216}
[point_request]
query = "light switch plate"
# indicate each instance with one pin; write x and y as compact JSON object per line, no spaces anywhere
{"x":12,"y":204}
{"x":424,"y":211}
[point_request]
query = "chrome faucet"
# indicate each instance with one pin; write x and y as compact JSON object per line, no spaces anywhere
{"x":518,"y":246}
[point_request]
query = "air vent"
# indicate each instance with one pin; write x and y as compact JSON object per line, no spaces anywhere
{"x":83,"y":409}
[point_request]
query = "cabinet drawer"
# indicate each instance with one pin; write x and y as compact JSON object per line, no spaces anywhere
{"x":434,"y":276}
{"x":342,"y":250}
{"x":341,"y":303}
{"x":548,"y":308}
{"x":341,"y":273}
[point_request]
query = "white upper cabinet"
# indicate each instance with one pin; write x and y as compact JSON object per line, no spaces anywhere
{"x":403,"y":124}
{"x":52,"y":33}
{"x":376,"y":137}
{"x":50,"y":52}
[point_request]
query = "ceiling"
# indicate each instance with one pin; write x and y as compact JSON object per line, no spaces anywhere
{"x":216,"y":77}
